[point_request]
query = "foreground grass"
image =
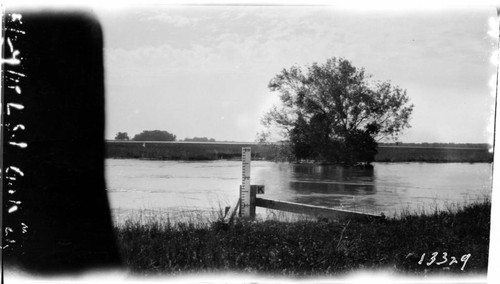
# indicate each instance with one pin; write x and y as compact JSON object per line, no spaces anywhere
{"x":313,"y":248}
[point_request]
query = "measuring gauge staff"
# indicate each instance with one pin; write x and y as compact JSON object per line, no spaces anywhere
{"x":245,"y":182}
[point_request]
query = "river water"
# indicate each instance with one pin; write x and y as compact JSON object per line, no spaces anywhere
{"x":173,"y":188}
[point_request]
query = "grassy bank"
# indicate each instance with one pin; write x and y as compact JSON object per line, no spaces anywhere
{"x":433,"y":154}
{"x":313,"y":248}
{"x":215,"y":151}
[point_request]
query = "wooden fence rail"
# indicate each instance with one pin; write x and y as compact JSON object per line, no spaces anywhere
{"x":316,"y":211}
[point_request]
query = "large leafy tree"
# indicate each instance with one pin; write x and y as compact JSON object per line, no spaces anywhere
{"x":333,"y":112}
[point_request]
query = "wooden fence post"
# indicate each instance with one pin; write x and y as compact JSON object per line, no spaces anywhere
{"x":253,"y":198}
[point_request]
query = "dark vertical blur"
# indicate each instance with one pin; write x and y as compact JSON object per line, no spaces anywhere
{"x":64,"y":207}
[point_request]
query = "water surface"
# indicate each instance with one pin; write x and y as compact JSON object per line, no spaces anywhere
{"x":174,"y":187}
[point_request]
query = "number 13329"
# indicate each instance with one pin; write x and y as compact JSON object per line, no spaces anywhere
{"x":437,"y":259}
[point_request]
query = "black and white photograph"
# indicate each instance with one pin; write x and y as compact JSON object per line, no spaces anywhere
{"x":225,"y":142}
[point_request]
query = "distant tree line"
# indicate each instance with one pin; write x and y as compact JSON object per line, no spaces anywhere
{"x":199,"y":139}
{"x":147,"y":135}
{"x":158,"y":135}
{"x":122,"y":136}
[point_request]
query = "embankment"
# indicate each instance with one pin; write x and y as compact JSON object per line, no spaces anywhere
{"x":468,"y":153}
{"x":183,"y":150}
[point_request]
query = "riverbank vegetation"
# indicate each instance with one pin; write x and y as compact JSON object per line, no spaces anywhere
{"x":468,"y":153}
{"x":454,"y":241}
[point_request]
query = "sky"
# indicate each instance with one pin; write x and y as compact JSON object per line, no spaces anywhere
{"x":203,"y":71}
